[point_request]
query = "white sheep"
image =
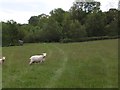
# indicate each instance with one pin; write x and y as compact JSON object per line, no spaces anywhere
{"x":37,"y":58}
{"x":20,"y":42}
{"x":2,"y":60}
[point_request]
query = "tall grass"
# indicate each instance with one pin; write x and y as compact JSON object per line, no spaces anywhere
{"x":82,"y":65}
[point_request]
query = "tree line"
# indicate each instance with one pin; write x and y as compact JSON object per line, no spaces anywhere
{"x":82,"y":20}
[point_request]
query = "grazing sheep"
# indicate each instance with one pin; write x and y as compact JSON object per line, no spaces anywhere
{"x":2,"y":60}
{"x":20,"y":42}
{"x":37,"y":58}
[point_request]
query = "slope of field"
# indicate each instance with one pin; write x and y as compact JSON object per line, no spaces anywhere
{"x":71,"y":65}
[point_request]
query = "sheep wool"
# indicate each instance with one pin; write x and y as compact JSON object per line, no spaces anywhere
{"x":37,"y":58}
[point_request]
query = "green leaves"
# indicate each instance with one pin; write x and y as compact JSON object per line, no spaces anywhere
{"x":84,"y":19}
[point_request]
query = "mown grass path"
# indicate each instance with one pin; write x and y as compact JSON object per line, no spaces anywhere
{"x":60,"y":70}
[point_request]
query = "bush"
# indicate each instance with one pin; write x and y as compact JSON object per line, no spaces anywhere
{"x":67,"y":40}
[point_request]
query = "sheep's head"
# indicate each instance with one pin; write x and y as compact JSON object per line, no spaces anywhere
{"x":44,"y":54}
{"x":3,"y":58}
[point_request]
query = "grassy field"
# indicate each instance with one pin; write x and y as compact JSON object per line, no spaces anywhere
{"x":0,"y":69}
{"x":72,"y":65}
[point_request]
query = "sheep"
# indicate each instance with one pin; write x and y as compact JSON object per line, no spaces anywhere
{"x":20,"y":42}
{"x":2,"y":60}
{"x":37,"y":58}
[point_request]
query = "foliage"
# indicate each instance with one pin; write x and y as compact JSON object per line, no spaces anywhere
{"x":95,"y":24}
{"x":10,"y":33}
{"x":82,"y":20}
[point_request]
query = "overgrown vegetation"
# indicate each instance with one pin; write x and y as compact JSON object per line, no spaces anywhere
{"x":82,"y":20}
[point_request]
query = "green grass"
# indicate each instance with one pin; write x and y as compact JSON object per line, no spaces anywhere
{"x":0,"y":69}
{"x":72,"y":65}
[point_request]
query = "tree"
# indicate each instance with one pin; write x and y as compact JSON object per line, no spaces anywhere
{"x":95,"y":24}
{"x":58,"y":15}
{"x":33,"y":20}
{"x":52,"y":31}
{"x":66,"y":25}
{"x":119,"y":21}
{"x":88,"y":6}
{"x":42,"y":19}
{"x":112,"y":22}
{"x":84,"y":19}
{"x":72,"y":29}
{"x":112,"y":29}
{"x":77,"y":14}
{"x":77,"y":30}
{"x":111,"y":15}
{"x":10,"y":33}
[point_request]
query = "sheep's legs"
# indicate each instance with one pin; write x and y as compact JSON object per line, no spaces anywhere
{"x":36,"y":62}
{"x":41,"y":61}
{"x":30,"y":63}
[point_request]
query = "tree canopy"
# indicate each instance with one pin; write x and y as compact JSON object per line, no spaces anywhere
{"x":84,"y":19}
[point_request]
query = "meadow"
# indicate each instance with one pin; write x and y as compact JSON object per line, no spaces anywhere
{"x":92,"y":64}
{"x":0,"y":70}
